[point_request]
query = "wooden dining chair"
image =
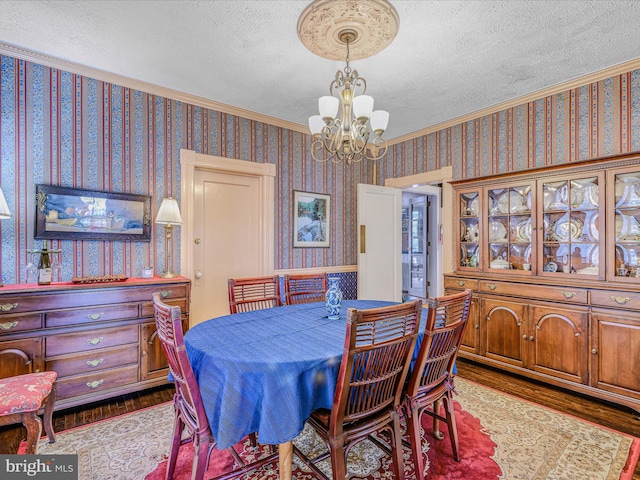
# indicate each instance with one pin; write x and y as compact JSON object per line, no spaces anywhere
{"x":187,"y":402}
{"x":431,"y":380}
{"x":378,"y":346}
{"x":21,"y":397}
{"x":305,"y":288}
{"x":256,"y":293}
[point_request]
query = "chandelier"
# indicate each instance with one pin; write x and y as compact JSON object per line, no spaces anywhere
{"x":347,"y":128}
{"x":346,"y":138}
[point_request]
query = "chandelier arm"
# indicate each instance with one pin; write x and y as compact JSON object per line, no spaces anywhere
{"x":382,"y":145}
{"x":317,"y":147}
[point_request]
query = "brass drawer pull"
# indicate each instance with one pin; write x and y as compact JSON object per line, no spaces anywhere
{"x":95,"y":383}
{"x":95,"y":341}
{"x":95,"y":316}
{"x":462,"y":283}
{"x":8,"y":325}
{"x":7,"y":307}
{"x":95,"y":363}
{"x":492,"y":286}
{"x":165,"y":293}
{"x":569,"y":294}
{"x":620,"y":300}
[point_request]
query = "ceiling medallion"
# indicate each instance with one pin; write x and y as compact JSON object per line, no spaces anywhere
{"x":373,"y":24}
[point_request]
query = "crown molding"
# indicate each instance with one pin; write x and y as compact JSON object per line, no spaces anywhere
{"x":530,"y":97}
{"x":103,"y":75}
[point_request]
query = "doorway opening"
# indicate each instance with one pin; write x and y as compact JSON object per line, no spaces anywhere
{"x":421,"y":259}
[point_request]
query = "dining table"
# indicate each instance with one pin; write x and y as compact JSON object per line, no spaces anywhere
{"x":265,"y":371}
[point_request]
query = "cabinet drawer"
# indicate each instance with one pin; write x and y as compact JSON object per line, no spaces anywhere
{"x":147,"y":308}
{"x":461,"y":283}
{"x":98,"y":313}
{"x":89,"y":362}
{"x":19,"y":323}
{"x":96,"y":382}
{"x":539,"y":292}
{"x":90,"y":340}
{"x":626,"y":300}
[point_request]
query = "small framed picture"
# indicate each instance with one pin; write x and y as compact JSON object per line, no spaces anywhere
{"x":311,"y":219}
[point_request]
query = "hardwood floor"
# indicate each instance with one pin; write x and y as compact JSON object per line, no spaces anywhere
{"x":610,"y":415}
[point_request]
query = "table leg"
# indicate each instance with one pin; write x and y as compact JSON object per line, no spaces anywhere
{"x":285,"y":454}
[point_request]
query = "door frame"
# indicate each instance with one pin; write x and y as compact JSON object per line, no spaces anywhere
{"x":416,"y":184}
{"x":190,"y":162}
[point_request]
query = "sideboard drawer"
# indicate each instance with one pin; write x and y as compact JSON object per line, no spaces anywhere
{"x":89,"y":362}
{"x":97,"y":313}
{"x":540,"y":292}
{"x":461,"y":283}
{"x":615,"y":299}
{"x":20,"y":323}
{"x":90,"y":340}
{"x":147,"y":308}
{"x":96,"y":382}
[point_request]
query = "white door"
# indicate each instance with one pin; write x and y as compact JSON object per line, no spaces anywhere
{"x":379,"y":243}
{"x":227,"y":229}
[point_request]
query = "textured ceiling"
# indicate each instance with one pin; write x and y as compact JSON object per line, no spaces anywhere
{"x":450,"y":58}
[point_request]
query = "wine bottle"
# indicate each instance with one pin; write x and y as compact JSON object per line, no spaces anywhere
{"x":44,"y":266}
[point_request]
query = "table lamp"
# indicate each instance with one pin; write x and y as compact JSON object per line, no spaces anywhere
{"x":169,"y":215}
{"x":4,"y":214}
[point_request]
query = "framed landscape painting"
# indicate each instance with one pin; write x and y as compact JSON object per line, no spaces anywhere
{"x":311,"y":219}
{"x":77,"y":214}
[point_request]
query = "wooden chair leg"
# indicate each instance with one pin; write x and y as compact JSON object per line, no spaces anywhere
{"x":49,"y":403}
{"x":32,"y":423}
{"x":200,"y":459}
{"x":398,"y":463}
{"x":436,"y":421}
{"x":338,"y":462}
{"x":451,"y":424}
{"x":413,"y":425}
{"x":178,"y":426}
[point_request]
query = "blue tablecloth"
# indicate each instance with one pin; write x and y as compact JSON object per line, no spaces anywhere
{"x":266,"y":371}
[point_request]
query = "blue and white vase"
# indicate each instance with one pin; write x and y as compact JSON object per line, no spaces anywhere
{"x":334,"y":299}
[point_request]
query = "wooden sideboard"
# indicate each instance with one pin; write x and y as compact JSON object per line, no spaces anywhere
{"x":100,"y":338}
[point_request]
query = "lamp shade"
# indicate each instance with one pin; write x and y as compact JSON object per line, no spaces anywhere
{"x":169,"y":213}
{"x":316,"y":124}
{"x":328,"y":107}
{"x":4,"y":208}
{"x":362,"y":107}
{"x":379,"y":121}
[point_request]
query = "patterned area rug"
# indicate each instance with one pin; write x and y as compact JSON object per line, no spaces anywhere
{"x":500,"y":437}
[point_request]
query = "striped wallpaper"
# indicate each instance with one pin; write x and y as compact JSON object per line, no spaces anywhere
{"x":65,"y":129}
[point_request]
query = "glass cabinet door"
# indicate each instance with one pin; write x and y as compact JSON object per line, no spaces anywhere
{"x":469,"y":234}
{"x":509,"y":229}
{"x":624,"y":230}
{"x":572,"y":222}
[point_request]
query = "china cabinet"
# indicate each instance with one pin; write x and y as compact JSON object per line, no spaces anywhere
{"x":100,"y":338}
{"x":552,"y":255}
